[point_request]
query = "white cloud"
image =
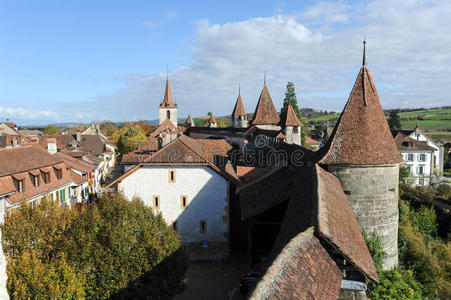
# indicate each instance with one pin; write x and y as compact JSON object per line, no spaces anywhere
{"x":22,"y":113}
{"x":408,"y":51}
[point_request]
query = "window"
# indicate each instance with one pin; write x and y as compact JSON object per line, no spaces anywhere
{"x":175,"y":226}
{"x":46,"y":177}
{"x":420,"y":170}
{"x":59,"y":173}
{"x":171,"y":176}
{"x":409,"y":157}
{"x":203,"y":226}
{"x":36,"y":181}
{"x":183,"y":201}
{"x":168,"y":114}
{"x":20,"y":186}
{"x":156,"y":202}
{"x":422,"y":157}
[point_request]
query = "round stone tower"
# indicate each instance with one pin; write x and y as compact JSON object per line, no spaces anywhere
{"x":362,"y":154}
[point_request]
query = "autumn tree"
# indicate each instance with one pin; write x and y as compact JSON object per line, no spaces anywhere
{"x":51,"y":129}
{"x":146,"y":127}
{"x":109,"y":127}
{"x":128,"y":138}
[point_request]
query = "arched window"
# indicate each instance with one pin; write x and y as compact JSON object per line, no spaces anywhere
{"x":168,"y":114}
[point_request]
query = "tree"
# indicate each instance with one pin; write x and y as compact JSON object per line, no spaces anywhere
{"x":290,"y":98}
{"x":394,"y":122}
{"x":51,"y":129}
{"x":109,"y":127}
{"x":114,"y":248}
{"x":146,"y":127}
{"x":127,"y":139}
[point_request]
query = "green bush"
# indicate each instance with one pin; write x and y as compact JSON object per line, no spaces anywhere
{"x":395,"y":284}
{"x":425,"y":220}
{"x":375,"y":246}
{"x":113,"y":248}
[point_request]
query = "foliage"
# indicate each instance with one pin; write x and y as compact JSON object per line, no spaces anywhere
{"x":375,"y":246}
{"x":404,"y":175}
{"x":444,"y":190}
{"x":394,"y":122}
{"x":51,"y":129}
{"x":395,"y":284}
{"x":31,"y":277}
{"x":221,"y":124}
{"x":109,"y":127}
{"x":128,"y":138}
{"x":290,"y":98}
{"x":425,"y":220}
{"x":113,"y":248}
{"x":146,"y":127}
{"x":303,"y":136}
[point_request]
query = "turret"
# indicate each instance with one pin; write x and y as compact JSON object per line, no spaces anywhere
{"x":291,"y":126}
{"x":239,"y":116}
{"x":362,"y":154}
{"x":266,"y":116}
{"x":168,"y":109}
{"x":189,"y":121}
{"x":212,"y":123}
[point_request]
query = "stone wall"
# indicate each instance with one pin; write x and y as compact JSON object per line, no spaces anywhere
{"x":373,"y":194}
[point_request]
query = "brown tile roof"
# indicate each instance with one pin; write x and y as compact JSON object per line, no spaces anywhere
{"x":212,"y":119}
{"x":338,"y":225}
{"x":145,"y":150}
{"x":62,"y":140}
{"x":168,"y":102}
{"x":166,"y":127}
{"x":289,"y":118}
{"x":362,"y":135}
{"x":75,"y":163}
{"x":238,"y":110}
{"x":303,"y":270}
{"x":188,"y":151}
{"x":92,"y":143}
{"x":404,"y":142}
{"x":310,"y":141}
{"x":19,"y":160}
{"x":77,"y":179}
{"x":265,"y":112}
{"x":21,"y":164}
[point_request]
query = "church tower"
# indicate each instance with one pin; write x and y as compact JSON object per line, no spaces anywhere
{"x":168,"y":109}
{"x":362,"y":154}
{"x":239,"y":116}
{"x":291,"y":126}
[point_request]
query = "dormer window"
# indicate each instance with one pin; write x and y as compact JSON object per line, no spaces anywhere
{"x":407,"y":144}
{"x":20,"y":185}
{"x":36,"y":181}
{"x":46,"y":176}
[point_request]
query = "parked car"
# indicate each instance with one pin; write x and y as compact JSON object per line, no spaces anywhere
{"x":248,"y":281}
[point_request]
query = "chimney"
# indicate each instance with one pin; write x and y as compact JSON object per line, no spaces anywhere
{"x":51,"y":145}
{"x":78,"y":136}
{"x":97,"y":127}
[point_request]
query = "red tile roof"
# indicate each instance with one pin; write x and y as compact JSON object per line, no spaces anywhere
{"x":166,"y":127}
{"x":338,"y":225}
{"x":74,"y":163}
{"x":303,"y":270}
{"x":238,"y":110}
{"x":265,"y":112}
{"x":362,"y":135}
{"x":168,"y":102}
{"x":310,"y":141}
{"x":289,"y":118}
{"x":404,"y":142}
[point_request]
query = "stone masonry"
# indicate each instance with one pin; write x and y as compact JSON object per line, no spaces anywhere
{"x":373,"y":194}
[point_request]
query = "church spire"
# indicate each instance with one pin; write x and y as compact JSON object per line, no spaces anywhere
{"x":168,"y":102}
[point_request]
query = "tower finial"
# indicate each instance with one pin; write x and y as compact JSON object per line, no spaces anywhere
{"x":364,"y":52}
{"x":239,"y":89}
{"x":264,"y":79}
{"x":167,"y":72}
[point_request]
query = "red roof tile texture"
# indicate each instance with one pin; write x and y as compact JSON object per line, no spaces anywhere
{"x":404,"y":142}
{"x":74,"y":163}
{"x":166,"y":127}
{"x":338,"y":225}
{"x":265,"y":112}
{"x":303,"y":270}
{"x":238,"y":110}
{"x":212,"y":119}
{"x":362,"y":135}
{"x":289,"y":118}
{"x":168,"y":102}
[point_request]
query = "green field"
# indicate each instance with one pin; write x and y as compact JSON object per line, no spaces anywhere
{"x":427,"y":124}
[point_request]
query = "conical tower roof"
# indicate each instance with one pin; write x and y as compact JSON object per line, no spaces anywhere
{"x":212,"y":119}
{"x":168,"y":102}
{"x":289,"y":118}
{"x":189,"y":120}
{"x":239,"y":107}
{"x":265,"y":112}
{"x":362,"y":135}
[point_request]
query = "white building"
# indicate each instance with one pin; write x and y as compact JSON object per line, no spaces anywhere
{"x":438,"y":160}
{"x":188,"y":182}
{"x":418,"y":157}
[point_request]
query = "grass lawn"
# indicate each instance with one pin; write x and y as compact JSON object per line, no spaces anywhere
{"x":427,"y":124}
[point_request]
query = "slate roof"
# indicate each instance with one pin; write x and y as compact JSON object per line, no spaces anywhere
{"x":289,"y":118}
{"x":404,"y":142}
{"x":302,"y":270}
{"x":238,"y":110}
{"x":362,"y":135}
{"x":265,"y":112}
{"x":168,"y":102}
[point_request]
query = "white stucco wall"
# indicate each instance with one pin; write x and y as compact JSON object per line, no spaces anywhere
{"x":207,"y":198}
{"x":415,"y":162}
{"x":163,"y":115}
{"x":438,"y":155}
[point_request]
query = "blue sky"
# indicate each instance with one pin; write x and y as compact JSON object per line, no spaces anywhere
{"x":79,"y":61}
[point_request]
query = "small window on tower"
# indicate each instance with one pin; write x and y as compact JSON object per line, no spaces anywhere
{"x":203,"y":226}
{"x":156,"y":202}
{"x":183,"y":201}
{"x":168,"y":114}
{"x":175,"y":226}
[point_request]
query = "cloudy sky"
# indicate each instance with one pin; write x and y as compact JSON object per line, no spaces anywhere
{"x":77,"y":61}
